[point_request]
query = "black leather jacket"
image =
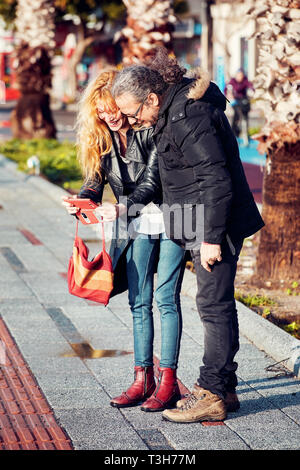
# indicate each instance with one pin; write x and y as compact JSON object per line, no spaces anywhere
{"x":141,"y":150}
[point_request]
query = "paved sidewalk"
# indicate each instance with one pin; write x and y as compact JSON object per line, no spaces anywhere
{"x":45,"y":329}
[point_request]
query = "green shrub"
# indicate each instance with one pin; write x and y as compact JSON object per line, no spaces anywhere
{"x":58,"y":160}
{"x":293,"y":328}
{"x":253,"y":131}
{"x":255,"y":300}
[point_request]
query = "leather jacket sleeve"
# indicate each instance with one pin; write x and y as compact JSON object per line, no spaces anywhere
{"x":201,"y":148}
{"x":93,"y":189}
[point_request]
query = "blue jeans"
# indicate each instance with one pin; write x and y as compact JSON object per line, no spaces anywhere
{"x":142,"y":255}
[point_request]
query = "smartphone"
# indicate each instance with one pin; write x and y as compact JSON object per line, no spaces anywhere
{"x":82,"y":203}
{"x":85,"y":210}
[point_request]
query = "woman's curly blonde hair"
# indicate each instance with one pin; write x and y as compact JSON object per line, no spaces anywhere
{"x":93,"y":138}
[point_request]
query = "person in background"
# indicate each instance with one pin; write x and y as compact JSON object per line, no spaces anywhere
{"x":237,"y":91}
{"x":111,"y":151}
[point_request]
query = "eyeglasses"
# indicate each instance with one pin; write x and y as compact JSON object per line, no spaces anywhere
{"x":134,"y":116}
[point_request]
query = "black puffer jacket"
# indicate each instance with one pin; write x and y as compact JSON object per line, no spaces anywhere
{"x":142,"y":151}
{"x":199,"y":160}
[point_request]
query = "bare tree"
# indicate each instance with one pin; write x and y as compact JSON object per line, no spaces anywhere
{"x":35,"y":44}
{"x":277,"y":87}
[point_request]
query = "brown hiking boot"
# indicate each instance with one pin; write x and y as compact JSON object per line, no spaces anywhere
{"x":201,"y":405}
{"x":231,"y":401}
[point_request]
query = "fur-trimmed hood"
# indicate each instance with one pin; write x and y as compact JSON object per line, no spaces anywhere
{"x":201,"y":84}
{"x":195,"y":86}
{"x":203,"y":89}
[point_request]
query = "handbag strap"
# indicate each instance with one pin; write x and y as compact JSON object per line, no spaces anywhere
{"x":103,"y":232}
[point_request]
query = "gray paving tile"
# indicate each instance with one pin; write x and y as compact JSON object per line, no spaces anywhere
{"x":105,"y":429}
{"x":79,"y":390}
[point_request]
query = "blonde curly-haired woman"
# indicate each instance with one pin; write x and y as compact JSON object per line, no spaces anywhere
{"x":110,"y":151}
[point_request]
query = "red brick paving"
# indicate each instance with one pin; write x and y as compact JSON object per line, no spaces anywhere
{"x":26,"y":420}
{"x":30,"y":237}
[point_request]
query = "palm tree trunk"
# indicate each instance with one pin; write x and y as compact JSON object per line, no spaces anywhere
{"x":75,"y":59}
{"x":149,"y":24}
{"x":278,"y":257}
{"x":32,"y":117}
{"x":278,"y":25}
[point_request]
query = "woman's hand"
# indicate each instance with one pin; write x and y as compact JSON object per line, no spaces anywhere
{"x":110,"y":212}
{"x":72,"y":210}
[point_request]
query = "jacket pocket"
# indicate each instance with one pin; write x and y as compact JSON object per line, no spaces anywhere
{"x":167,"y":156}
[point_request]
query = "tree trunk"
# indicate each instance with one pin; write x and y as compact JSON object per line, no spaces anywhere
{"x":149,"y":25}
{"x":276,"y":83}
{"x":206,"y":37}
{"x":32,"y":117}
{"x":74,"y":60}
{"x":278,"y":257}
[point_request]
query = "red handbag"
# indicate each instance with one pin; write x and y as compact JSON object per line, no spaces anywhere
{"x":91,"y":280}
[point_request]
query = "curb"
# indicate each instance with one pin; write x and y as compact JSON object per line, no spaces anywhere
{"x":266,"y":336}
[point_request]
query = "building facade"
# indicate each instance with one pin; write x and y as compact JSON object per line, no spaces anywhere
{"x":233,"y":47}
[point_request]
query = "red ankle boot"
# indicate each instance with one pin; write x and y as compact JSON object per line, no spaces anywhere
{"x":167,"y":392}
{"x":142,"y":387}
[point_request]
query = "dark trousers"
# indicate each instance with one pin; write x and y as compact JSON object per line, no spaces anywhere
{"x":240,"y":122}
{"x":217,"y":309}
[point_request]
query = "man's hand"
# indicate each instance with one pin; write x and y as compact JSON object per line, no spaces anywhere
{"x":110,"y":212}
{"x":209,"y":254}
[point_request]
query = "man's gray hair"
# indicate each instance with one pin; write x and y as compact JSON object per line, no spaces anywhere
{"x":139,"y":81}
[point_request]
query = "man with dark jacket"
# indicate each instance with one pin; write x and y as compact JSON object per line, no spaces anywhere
{"x":199,"y":164}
